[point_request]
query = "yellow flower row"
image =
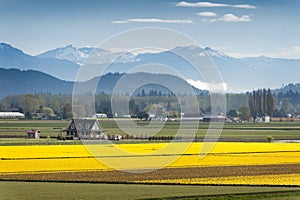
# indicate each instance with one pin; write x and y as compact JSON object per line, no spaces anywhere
{"x":16,"y":159}
{"x":149,"y":148}
{"x":44,"y":151}
{"x":50,"y":165}
{"x":282,"y":179}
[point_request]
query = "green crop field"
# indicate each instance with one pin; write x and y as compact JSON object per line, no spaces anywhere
{"x":14,"y":130}
{"x":43,"y":190}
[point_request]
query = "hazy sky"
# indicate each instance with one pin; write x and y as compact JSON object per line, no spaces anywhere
{"x":236,"y":27}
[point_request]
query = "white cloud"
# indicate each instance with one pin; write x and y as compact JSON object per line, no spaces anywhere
{"x":280,"y":52}
{"x":137,"y":51}
{"x":243,"y":55}
{"x":207,"y":14}
{"x":209,"y":4}
{"x":153,"y":20}
{"x":212,"y":87}
{"x":287,"y":52}
{"x":119,"y":22}
{"x":232,"y":18}
{"x":246,"y":6}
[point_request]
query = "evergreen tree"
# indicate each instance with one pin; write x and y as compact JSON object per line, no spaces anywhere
{"x":270,"y":103}
{"x":261,"y":102}
{"x":264,"y":100}
{"x":244,"y":113}
{"x":133,"y":108}
{"x":252,"y":105}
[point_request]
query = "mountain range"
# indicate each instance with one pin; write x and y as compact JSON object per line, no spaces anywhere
{"x":79,"y":55}
{"x":239,"y":74}
{"x":11,"y":57}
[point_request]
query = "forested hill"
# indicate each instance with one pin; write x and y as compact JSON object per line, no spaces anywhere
{"x":288,"y":88}
{"x":14,"y":81}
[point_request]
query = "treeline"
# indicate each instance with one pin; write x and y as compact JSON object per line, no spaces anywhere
{"x":287,"y":103}
{"x":261,"y":102}
{"x":265,"y":102}
{"x":244,"y":105}
{"x":154,"y":93}
{"x":39,"y":105}
{"x":49,"y":106}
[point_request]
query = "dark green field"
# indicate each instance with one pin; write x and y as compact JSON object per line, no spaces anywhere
{"x":43,"y":190}
{"x":13,"y":131}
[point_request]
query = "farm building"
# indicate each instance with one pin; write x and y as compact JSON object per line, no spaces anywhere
{"x":263,"y":118}
{"x":33,"y":133}
{"x":100,"y":115}
{"x":9,"y":115}
{"x":85,"y":129}
{"x":214,"y":118}
{"x":191,"y":117}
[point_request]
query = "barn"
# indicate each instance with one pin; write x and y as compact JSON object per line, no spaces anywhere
{"x":85,"y":129}
{"x":33,"y":133}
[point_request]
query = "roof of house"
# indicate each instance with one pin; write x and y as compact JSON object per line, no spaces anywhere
{"x":84,"y":124}
{"x":32,"y":131}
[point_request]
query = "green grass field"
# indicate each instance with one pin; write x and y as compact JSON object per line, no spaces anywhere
{"x":14,"y":130}
{"x":42,"y":190}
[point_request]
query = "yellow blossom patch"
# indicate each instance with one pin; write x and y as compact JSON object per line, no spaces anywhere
{"x":281,"y":179}
{"x":23,"y":159}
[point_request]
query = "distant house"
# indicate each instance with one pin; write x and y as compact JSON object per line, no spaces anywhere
{"x":100,"y":115}
{"x":191,"y":117}
{"x":33,"y":133}
{"x":85,"y":129}
{"x":263,"y":119}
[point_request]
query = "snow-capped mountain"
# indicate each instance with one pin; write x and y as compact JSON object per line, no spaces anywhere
{"x":239,"y":74}
{"x":213,"y":53}
{"x":69,"y":52}
{"x":11,"y":57}
{"x":79,"y":55}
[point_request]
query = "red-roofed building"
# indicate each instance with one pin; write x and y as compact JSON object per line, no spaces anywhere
{"x":33,"y":133}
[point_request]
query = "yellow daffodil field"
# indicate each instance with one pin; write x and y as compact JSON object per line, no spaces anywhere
{"x":233,"y":163}
{"x":282,"y":179}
